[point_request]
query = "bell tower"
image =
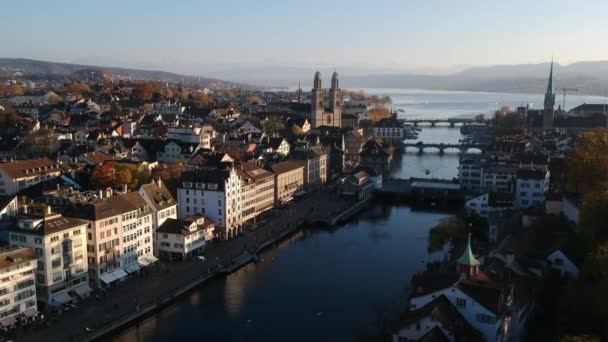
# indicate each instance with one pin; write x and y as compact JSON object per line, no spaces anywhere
{"x":317,"y":106}
{"x":335,"y":101}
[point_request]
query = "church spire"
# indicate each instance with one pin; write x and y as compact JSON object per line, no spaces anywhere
{"x":467,"y":263}
{"x":317,"y":81}
{"x":549,"y":94}
{"x":548,"y":113}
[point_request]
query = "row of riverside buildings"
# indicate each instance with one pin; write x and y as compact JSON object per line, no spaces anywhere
{"x":76,"y":241}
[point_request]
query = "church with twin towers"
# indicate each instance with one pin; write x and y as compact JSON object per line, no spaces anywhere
{"x":319,"y":114}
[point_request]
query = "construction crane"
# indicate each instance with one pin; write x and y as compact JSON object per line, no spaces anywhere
{"x":564,"y":91}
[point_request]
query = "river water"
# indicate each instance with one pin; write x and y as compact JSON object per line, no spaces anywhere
{"x":322,"y":284}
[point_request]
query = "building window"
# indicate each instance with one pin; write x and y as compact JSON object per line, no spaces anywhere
{"x":461,"y":302}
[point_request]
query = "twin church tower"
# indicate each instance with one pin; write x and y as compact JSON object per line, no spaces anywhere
{"x":319,"y":115}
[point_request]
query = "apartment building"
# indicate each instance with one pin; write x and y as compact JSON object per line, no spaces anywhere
{"x":17,"y":284}
{"x":257,"y":191}
{"x":61,"y":247}
{"x":120,"y":236}
{"x":180,"y":239}
{"x":192,"y":134}
{"x":22,"y":174}
{"x":289,"y":179}
{"x":499,"y":178}
{"x":160,"y":200}
{"x":215,"y":193}
{"x":530,"y":187}
{"x":315,"y":163}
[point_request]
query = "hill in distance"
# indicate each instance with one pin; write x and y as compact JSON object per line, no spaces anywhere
{"x":40,"y":69}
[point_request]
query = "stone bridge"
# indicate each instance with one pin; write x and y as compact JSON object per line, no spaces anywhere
{"x":462,"y":148}
{"x":433,"y":122}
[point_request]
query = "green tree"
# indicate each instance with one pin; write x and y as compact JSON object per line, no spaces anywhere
{"x":449,"y":230}
{"x":588,"y":164}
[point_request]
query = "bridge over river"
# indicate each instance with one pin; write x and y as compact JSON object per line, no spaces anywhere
{"x":462,"y":148}
{"x":432,"y":122}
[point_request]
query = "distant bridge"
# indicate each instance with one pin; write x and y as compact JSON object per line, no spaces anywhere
{"x":433,"y":122}
{"x":463,"y":148}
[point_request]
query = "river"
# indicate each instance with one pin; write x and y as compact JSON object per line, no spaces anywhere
{"x":323,"y":283}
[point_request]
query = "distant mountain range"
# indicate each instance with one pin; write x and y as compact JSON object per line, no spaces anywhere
{"x":591,"y":78}
{"x":40,"y":69}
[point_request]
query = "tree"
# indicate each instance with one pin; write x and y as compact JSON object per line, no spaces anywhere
{"x":203,"y":100}
{"x":594,"y":213}
{"x":167,"y":92}
{"x":587,"y":166}
{"x":16,"y":90}
{"x":103,"y":175}
{"x":378,"y":113}
{"x":253,"y":100}
{"x":78,"y":88}
{"x":169,"y":174}
{"x":480,"y":118}
{"x":180,"y":93}
{"x":273,"y":125}
{"x":143,"y":91}
{"x":8,"y":118}
{"x":53,"y":100}
{"x":449,"y":230}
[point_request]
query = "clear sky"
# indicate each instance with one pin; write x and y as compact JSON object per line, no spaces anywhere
{"x":197,"y":36}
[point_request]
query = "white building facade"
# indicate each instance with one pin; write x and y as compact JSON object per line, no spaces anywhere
{"x":60,"y":245}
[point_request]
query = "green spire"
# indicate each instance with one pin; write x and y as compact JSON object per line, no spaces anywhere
{"x":549,"y":96}
{"x":467,"y":257}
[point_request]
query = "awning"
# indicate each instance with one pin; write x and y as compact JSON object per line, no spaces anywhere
{"x":143,"y":262}
{"x":132,"y":268}
{"x":119,"y":273}
{"x":31,"y":312}
{"x":147,"y":260}
{"x":107,"y":277}
{"x":60,"y":299}
{"x":83,"y":291}
{"x":8,"y":321}
{"x":151,"y":258}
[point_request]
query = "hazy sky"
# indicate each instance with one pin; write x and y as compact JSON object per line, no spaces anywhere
{"x":197,"y":36}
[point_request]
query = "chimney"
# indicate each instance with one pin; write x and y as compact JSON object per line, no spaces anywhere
{"x":100,"y":193}
{"x":159,"y":182}
{"x":47,"y":210}
{"x":125,"y":189}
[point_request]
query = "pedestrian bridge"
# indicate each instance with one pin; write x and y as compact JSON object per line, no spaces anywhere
{"x":462,"y":148}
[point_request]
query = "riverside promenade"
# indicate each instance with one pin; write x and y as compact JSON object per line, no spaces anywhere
{"x":160,"y":284}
